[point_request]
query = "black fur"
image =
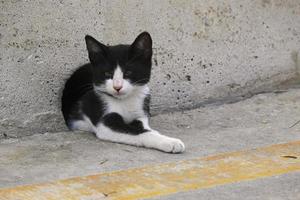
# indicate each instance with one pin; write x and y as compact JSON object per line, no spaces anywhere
{"x":79,"y":96}
{"x":116,"y":123}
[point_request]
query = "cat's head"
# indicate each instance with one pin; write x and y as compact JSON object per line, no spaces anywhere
{"x":122,"y":69}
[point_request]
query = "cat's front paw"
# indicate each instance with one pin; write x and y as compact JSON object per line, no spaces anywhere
{"x":172,"y":145}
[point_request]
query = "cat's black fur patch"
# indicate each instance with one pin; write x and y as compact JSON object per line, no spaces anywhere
{"x":115,"y":122}
{"x":79,"y":96}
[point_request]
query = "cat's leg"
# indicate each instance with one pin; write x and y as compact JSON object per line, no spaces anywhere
{"x":81,"y":125}
{"x":145,"y":122}
{"x":113,"y":128}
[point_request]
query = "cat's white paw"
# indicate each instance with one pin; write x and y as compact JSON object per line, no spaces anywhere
{"x":171,"y":145}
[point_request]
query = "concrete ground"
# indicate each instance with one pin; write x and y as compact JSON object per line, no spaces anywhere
{"x":271,"y":188}
{"x":259,"y":121}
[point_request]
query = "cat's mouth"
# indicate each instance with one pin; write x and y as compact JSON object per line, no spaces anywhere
{"x":119,"y":95}
{"x":114,"y":94}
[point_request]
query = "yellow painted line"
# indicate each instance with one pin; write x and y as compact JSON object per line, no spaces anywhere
{"x":164,"y":179}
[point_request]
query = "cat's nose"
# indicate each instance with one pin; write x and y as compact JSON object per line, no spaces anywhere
{"x":117,"y":84}
{"x":117,"y":88}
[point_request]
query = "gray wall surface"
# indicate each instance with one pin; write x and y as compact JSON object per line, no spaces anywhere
{"x":204,"y":51}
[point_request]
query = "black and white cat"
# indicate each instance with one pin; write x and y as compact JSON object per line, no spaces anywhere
{"x":110,"y":97}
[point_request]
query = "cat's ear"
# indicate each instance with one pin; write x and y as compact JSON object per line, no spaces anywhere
{"x":142,"y":46}
{"x":97,"y":51}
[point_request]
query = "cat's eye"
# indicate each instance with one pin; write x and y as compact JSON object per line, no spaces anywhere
{"x":108,"y":74}
{"x":128,"y":73}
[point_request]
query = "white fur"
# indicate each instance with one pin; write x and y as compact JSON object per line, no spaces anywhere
{"x":83,"y":125}
{"x":118,"y":78}
{"x":129,"y":104}
{"x":151,"y":139}
{"x":129,"y":108}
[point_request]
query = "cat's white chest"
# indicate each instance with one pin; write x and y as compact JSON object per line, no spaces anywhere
{"x":129,"y":108}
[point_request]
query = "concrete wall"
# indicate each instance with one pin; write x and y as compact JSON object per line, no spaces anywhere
{"x":204,"y":51}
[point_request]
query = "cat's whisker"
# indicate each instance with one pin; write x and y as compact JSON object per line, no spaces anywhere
{"x":144,"y":79}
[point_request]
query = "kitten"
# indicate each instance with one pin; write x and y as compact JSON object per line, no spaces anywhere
{"x":110,"y":97}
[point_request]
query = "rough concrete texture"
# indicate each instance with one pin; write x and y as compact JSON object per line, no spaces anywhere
{"x":262,"y":120}
{"x":204,"y":51}
{"x":283,"y":187}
